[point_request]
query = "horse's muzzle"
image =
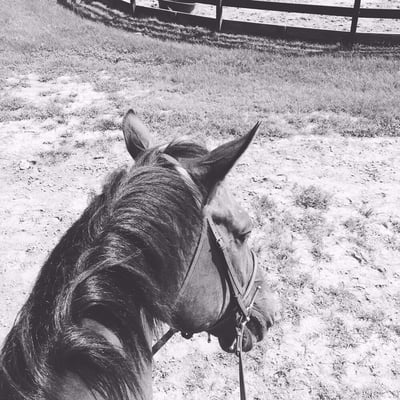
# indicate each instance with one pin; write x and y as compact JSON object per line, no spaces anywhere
{"x":254,"y":332}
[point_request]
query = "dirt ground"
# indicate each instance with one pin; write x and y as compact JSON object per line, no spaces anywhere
{"x":327,"y":214}
{"x":305,"y":20}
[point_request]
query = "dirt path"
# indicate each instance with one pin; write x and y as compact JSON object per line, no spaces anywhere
{"x":327,"y":211}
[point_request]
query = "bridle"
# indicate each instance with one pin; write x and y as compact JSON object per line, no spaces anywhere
{"x":242,"y":297}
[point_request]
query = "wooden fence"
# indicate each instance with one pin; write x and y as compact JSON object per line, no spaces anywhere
{"x":321,"y":35}
{"x":292,"y":33}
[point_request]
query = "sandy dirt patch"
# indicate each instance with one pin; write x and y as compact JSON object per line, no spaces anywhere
{"x":327,"y":232}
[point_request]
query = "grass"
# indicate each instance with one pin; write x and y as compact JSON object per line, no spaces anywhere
{"x":264,"y":207}
{"x":355,"y":225}
{"x":53,"y":157}
{"x":105,"y":124}
{"x":332,"y":91}
{"x":340,"y":336}
{"x":312,"y":197}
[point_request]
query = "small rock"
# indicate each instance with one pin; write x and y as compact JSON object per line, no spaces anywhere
{"x":24,"y":164}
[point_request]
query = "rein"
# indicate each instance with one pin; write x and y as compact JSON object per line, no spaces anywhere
{"x":242,"y":296}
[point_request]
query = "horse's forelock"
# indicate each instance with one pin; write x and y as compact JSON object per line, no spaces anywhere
{"x":170,"y":155}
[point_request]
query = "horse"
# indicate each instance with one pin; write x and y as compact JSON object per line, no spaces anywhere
{"x":163,"y":243}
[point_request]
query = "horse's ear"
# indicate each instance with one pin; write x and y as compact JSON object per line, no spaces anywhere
{"x":137,"y":136}
{"x":212,"y":168}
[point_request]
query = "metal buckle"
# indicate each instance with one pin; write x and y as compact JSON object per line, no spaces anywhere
{"x":239,"y":337}
{"x":242,"y":322}
{"x":253,"y":299}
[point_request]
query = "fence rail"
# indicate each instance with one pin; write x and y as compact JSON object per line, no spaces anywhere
{"x":289,"y":7}
{"x":310,"y":8}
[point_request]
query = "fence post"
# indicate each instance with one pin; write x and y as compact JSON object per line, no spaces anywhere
{"x":133,"y":7}
{"x":354,"y":21}
{"x":219,"y":14}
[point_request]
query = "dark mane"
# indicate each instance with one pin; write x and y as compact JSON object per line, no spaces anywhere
{"x":113,"y":265}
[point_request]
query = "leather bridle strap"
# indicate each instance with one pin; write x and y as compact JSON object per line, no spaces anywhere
{"x":203,"y":236}
{"x":240,"y":293}
{"x":241,"y":324}
{"x":241,"y":378}
{"x":160,"y":343}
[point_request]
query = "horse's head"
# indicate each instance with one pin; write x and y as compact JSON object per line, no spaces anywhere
{"x":220,"y":285}
{"x":164,"y":240}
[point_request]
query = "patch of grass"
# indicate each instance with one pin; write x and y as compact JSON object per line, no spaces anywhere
{"x":103,"y":144}
{"x":264,"y":207}
{"x":65,"y":101}
{"x":374,"y":316}
{"x":339,"y":335}
{"x":52,"y":110}
{"x":312,"y":223}
{"x":312,"y":197}
{"x":119,"y":103}
{"x":89,"y":114}
{"x":296,"y":282}
{"x":80,"y":144}
{"x":53,"y":157}
{"x":281,"y":376}
{"x":359,"y":230}
{"x":339,"y":367}
{"x":395,"y":224}
{"x":11,"y":107}
{"x":395,"y":329}
{"x":28,"y":111}
{"x":45,"y":78}
{"x":11,"y":103}
{"x":374,"y":393}
{"x":350,"y":93}
{"x":106,"y":124}
{"x":275,"y":241}
{"x":341,"y":299}
{"x":327,"y":392}
{"x":366,"y":233}
{"x":46,"y":93}
{"x":15,"y":108}
{"x":278,"y":243}
{"x":319,"y":254}
{"x":392,"y":241}
{"x":107,"y":85}
{"x":355,"y":225}
{"x":344,"y":299}
{"x":281,"y":249}
{"x":366,"y":212}
{"x":49,"y":125}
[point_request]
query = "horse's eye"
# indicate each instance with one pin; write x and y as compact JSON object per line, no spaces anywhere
{"x":242,"y":236}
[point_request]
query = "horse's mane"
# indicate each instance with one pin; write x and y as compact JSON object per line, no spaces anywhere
{"x":118,"y":265}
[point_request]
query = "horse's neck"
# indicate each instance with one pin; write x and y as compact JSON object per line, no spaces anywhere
{"x":73,"y":388}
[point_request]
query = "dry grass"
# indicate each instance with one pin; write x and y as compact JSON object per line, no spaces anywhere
{"x":312,"y":197}
{"x":333,"y":90}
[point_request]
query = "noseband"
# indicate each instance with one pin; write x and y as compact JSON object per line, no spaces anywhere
{"x":242,"y":297}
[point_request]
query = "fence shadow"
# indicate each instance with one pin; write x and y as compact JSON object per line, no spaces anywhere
{"x":117,"y":14}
